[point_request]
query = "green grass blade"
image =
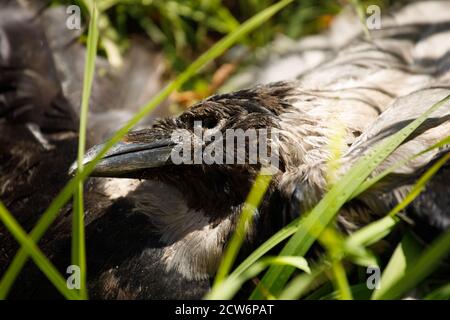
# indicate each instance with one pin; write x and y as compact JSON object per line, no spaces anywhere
{"x":335,"y":149}
{"x":333,"y":242}
{"x":252,"y":202}
{"x":404,"y":256}
{"x":392,"y":274}
{"x":371,"y":181}
{"x":299,"y":285}
{"x":422,"y":267}
{"x":315,"y":222}
{"x":38,"y":231}
{"x":78,"y":232}
{"x":231,"y":285}
{"x":340,"y":281}
{"x":39,"y":258}
{"x":359,"y":292}
{"x":373,"y":232}
{"x":377,"y":230}
{"x":65,"y":194}
{"x":367,"y":236}
{"x":268,"y":245}
{"x":363,"y":237}
{"x":420,"y":185}
{"x":442,"y":293}
{"x":359,"y":8}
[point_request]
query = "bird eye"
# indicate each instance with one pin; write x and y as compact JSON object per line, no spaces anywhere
{"x":209,"y":123}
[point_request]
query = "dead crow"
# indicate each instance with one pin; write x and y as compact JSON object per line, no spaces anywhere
{"x":161,"y":232}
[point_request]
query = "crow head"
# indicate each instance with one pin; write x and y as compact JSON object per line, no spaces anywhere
{"x":216,"y":148}
{"x":206,"y":159}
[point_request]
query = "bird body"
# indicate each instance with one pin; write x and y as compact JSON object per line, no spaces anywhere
{"x":162,"y":233}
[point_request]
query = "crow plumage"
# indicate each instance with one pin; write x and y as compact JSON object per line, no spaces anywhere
{"x":161,"y":232}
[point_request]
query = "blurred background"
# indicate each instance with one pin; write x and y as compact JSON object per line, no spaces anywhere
{"x":146,"y":43}
{"x":180,"y":30}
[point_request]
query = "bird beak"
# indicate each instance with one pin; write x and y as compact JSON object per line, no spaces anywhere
{"x":127,"y":158}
